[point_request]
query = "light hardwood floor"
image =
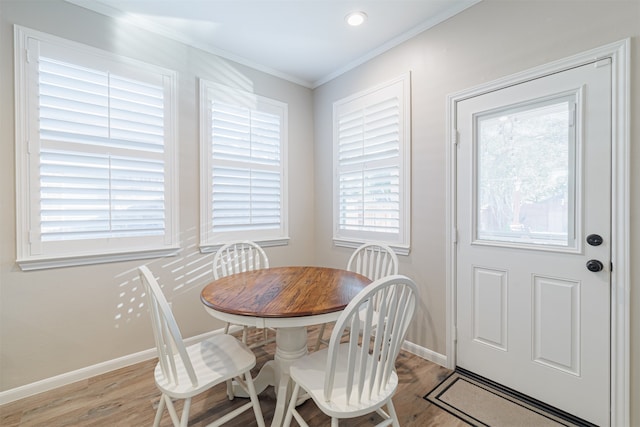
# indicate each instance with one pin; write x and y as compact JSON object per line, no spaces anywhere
{"x":128,"y":397}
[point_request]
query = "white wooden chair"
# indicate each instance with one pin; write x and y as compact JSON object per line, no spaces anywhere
{"x":373,"y":260}
{"x":238,"y":257}
{"x":357,"y":377}
{"x":183,"y":372}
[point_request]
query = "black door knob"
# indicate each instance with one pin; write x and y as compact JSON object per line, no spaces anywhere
{"x":594,"y":239}
{"x":594,"y":265}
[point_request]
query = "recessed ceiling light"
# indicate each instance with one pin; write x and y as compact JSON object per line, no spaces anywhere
{"x":356,"y":18}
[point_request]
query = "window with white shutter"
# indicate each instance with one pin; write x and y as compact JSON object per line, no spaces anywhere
{"x":95,"y":143}
{"x":243,"y":154}
{"x":372,"y":166}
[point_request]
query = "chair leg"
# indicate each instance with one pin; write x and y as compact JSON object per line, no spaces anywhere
{"x":334,"y":422}
{"x":230,"y":394}
{"x":392,"y":413}
{"x":156,"y":421}
{"x":320,"y":334}
{"x":254,"y":399}
{"x":226,"y":328}
{"x":172,"y":411}
{"x":185,"y":412}
{"x":292,"y":406}
{"x":245,"y":329}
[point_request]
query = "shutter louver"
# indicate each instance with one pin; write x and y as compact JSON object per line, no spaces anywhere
{"x":101,"y":157}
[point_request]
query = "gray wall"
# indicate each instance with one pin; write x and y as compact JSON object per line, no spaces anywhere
{"x":487,"y":41}
{"x":60,"y":320}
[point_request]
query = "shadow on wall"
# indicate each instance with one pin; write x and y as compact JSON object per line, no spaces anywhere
{"x":176,"y":276}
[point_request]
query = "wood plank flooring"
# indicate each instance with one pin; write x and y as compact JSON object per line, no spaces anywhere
{"x":128,"y":397}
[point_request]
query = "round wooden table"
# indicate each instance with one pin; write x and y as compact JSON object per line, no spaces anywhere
{"x":287,"y":299}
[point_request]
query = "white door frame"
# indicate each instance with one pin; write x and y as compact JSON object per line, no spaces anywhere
{"x":619,"y":52}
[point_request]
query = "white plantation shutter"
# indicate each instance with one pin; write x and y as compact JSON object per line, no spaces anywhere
{"x":87,"y":194}
{"x":243,"y":141}
{"x":101,"y":159}
{"x":371,"y":163}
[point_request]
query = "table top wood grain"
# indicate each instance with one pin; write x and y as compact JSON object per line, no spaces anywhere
{"x":284,"y":291}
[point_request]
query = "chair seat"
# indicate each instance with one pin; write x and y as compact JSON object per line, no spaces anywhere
{"x":309,"y":372}
{"x":214,"y":360}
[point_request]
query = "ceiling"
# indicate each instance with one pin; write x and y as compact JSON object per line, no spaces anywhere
{"x":304,"y":41}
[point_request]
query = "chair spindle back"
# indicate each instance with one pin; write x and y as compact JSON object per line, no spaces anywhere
{"x":372,"y":350}
{"x":238,"y":257}
{"x":169,"y":343}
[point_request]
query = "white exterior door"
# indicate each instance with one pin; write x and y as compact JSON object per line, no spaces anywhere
{"x":533,"y":219}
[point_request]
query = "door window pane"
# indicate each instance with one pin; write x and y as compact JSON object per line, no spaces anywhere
{"x":525,"y":174}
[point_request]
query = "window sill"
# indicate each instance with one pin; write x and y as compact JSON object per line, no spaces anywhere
{"x":343,"y":243}
{"x":51,"y":262}
{"x":283,"y":241}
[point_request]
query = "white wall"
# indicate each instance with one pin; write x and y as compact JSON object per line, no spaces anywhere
{"x":487,"y":41}
{"x":60,"y":320}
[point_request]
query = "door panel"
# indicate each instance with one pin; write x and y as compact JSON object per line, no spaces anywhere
{"x":556,"y":323}
{"x":533,"y":181}
{"x":490,"y":307}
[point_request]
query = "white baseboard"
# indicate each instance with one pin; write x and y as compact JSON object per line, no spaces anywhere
{"x":425,"y":353}
{"x":47,"y":384}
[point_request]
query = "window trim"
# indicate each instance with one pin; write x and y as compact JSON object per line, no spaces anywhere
{"x":24,"y":92}
{"x":402,"y":245}
{"x":210,"y":241}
